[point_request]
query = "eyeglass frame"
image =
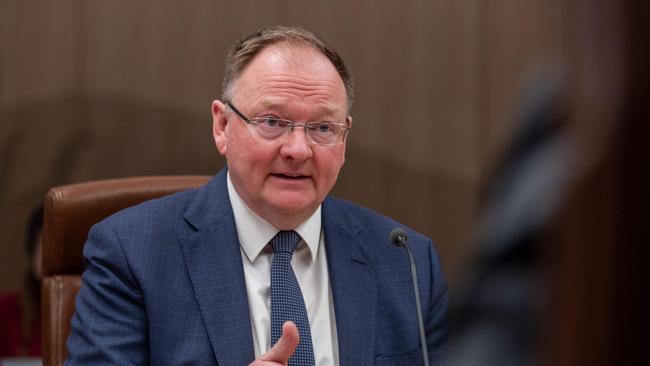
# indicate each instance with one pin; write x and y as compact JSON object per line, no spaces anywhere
{"x":291,"y":125}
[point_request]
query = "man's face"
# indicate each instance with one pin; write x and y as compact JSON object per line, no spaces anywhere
{"x":282,"y":180}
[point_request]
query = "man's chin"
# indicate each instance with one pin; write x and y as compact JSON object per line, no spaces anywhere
{"x":294,"y":209}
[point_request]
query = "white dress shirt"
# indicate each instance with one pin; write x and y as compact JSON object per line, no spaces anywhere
{"x":310,"y":265}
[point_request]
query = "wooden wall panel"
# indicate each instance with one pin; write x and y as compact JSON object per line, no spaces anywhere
{"x":99,"y":89}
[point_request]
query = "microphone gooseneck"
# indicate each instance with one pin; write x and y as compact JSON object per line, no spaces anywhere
{"x":399,"y":238}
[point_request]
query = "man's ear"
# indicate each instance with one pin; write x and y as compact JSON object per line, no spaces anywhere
{"x":348,"y":124}
{"x":219,"y":123}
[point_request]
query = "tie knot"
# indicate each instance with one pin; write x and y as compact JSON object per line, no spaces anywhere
{"x":285,"y":241}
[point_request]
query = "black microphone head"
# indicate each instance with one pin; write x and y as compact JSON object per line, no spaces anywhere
{"x":398,"y":236}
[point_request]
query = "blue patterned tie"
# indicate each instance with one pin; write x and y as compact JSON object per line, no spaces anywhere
{"x":287,"y":302}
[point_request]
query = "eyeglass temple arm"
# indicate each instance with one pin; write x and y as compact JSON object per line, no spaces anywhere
{"x":237,"y":112}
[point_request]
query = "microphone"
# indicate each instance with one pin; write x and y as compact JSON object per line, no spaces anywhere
{"x":399,"y":238}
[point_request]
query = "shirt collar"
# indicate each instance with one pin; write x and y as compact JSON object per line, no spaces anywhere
{"x":255,"y":233}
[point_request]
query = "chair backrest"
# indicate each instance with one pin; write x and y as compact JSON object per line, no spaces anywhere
{"x":69,"y":213}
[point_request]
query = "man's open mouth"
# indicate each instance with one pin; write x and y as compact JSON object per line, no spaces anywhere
{"x":289,"y":176}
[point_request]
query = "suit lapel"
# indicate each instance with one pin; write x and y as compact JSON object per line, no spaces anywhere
{"x":354,"y":289}
{"x":213,"y":259}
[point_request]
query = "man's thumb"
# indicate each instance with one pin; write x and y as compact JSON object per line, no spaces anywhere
{"x":286,"y":345}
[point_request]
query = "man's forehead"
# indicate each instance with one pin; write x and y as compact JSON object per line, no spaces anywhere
{"x":292,"y":68}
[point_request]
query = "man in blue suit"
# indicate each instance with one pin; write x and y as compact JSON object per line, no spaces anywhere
{"x":192,"y":278}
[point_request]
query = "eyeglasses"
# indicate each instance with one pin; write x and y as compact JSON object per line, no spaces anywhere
{"x":271,"y":128}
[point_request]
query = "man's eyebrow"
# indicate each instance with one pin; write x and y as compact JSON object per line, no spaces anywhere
{"x":271,"y":105}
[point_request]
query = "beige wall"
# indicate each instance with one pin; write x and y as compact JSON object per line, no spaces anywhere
{"x":103,"y":89}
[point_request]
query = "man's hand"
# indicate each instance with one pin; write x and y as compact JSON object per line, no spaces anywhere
{"x":283,"y":349}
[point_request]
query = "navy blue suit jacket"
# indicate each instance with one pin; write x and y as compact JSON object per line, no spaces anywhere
{"x":164,"y":284}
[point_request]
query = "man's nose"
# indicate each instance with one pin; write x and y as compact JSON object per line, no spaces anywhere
{"x":296,"y":145}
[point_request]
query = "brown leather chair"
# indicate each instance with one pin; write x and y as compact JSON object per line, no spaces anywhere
{"x":70,"y":211}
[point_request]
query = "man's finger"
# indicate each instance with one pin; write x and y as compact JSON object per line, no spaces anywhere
{"x":285,"y":346}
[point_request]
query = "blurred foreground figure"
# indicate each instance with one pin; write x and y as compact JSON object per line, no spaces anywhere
{"x":20,"y":312}
{"x":496,"y":321}
{"x":261,"y":264}
{"x":562,"y":258}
